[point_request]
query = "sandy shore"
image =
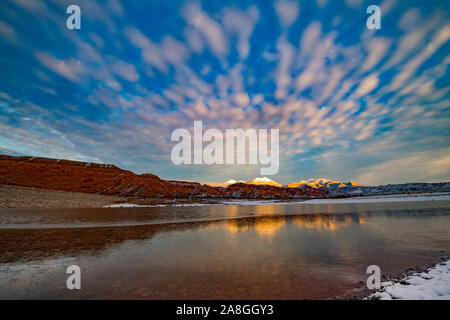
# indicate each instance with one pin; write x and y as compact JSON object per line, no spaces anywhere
{"x":23,"y":197}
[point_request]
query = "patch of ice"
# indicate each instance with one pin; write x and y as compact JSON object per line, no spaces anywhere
{"x":434,"y":284}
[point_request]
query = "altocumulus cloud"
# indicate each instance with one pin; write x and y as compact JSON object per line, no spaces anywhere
{"x":349,"y":102}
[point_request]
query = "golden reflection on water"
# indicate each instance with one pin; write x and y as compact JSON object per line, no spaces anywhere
{"x":278,"y":253}
{"x":268,"y":226}
{"x":266,"y":209}
{"x":322,"y":222}
{"x":263,"y":226}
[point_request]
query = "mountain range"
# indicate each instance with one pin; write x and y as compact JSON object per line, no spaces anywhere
{"x":77,"y":176}
{"x":107,"y":179}
{"x":313,"y":183}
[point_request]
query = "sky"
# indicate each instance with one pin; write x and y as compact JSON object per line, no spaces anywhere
{"x":350,"y":103}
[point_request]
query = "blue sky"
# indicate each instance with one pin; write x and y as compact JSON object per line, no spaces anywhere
{"x":350,"y":103}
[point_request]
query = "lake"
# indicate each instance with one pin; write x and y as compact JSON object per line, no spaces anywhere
{"x":316,"y":250}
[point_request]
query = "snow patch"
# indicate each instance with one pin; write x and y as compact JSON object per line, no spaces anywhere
{"x":434,"y":284}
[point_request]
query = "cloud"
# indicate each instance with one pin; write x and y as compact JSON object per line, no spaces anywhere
{"x":354,"y":3}
{"x":9,"y":34}
{"x":125,"y":70}
{"x":377,"y":49}
{"x":70,"y":69}
{"x":433,"y":168}
{"x":242,"y":99}
{"x":283,"y":73}
{"x":242,"y":24}
{"x":115,"y":7}
{"x":36,"y":6}
{"x":334,"y":93}
{"x":367,"y":85}
{"x":410,"y":19}
{"x":287,"y":12}
{"x":321,"y":3}
{"x":208,"y":27}
{"x":151,"y":53}
{"x":440,"y":37}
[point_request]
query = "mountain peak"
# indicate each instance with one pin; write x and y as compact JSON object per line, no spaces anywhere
{"x":323,"y":183}
{"x":232,"y":181}
{"x":264,"y":181}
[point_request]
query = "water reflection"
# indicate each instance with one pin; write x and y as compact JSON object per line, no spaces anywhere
{"x":264,"y":226}
{"x":267,"y":226}
{"x":245,"y":253}
{"x":326,"y":221}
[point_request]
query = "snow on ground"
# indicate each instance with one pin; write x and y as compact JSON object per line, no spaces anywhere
{"x":371,"y":199}
{"x":434,"y":284}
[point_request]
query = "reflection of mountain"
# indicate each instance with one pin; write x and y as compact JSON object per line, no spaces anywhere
{"x":267,"y":226}
{"x":264,"y":226}
{"x":326,"y":221}
{"x":31,"y":244}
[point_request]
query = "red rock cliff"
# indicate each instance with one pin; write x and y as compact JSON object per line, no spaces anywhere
{"x":108,"y":179}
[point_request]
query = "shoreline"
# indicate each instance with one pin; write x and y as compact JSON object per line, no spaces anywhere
{"x":17,"y":197}
{"x":429,"y":282}
{"x":33,"y":198}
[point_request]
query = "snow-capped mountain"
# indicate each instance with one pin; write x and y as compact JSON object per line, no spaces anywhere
{"x":353,"y":184}
{"x":264,"y":181}
{"x":255,"y":181}
{"x":231,"y":181}
{"x":323,"y":183}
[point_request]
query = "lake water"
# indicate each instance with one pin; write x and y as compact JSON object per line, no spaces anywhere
{"x":264,"y":251}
